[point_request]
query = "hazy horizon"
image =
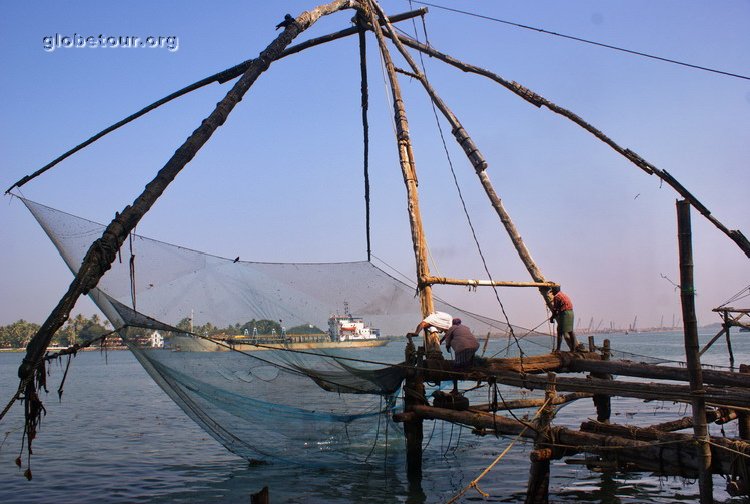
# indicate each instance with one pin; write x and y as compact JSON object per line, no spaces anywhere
{"x":282,"y":180}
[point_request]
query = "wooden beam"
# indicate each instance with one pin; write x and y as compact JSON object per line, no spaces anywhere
{"x":649,"y":391}
{"x":441,"y":369}
{"x":677,"y":457}
{"x":656,"y":372}
{"x":729,"y":309}
{"x":720,"y":416}
{"x":486,"y":283}
{"x":531,"y":403}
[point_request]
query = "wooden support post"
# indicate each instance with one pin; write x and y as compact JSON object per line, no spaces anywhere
{"x":687,"y":296}
{"x":537,"y":491}
{"x":603,"y":402}
{"x":743,"y":417}
{"x":592,"y":344}
{"x":414,"y":394}
{"x":260,"y":497}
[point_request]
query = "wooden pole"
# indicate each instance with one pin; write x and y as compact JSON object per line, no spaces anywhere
{"x":640,"y":370}
{"x":414,"y":396}
{"x":261,"y":497}
{"x":687,"y":296}
{"x":486,"y":283}
{"x":727,"y":326}
{"x":724,"y":396}
{"x":529,"y":403}
{"x":480,"y":166}
{"x":675,"y":456}
{"x":409,"y":171}
{"x":603,"y":402}
{"x":537,"y":491}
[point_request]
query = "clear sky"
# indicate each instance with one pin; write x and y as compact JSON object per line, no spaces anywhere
{"x":286,"y":167}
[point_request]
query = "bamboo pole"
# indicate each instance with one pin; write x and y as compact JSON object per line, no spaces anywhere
{"x":655,"y":434}
{"x":414,"y":396}
{"x":674,"y":456}
{"x":103,"y":251}
{"x":539,"y":101}
{"x":480,"y":166}
{"x":530,"y":403}
{"x":728,"y":397}
{"x":720,"y":416}
{"x":687,"y":296}
{"x":220,"y":77}
{"x":640,"y":370}
{"x":537,"y":490}
{"x":603,"y":402}
{"x":443,"y":369}
{"x":408,"y":169}
{"x":486,"y":283}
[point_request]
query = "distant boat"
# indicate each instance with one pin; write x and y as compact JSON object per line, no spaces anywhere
{"x":350,"y":328}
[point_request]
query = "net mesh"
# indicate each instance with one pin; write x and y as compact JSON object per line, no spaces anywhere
{"x":253,"y":351}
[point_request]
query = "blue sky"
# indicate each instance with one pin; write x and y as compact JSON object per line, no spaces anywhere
{"x":286,"y":167}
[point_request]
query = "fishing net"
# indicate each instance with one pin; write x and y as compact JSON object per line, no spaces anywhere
{"x":252,"y":351}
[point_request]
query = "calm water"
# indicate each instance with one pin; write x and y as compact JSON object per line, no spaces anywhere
{"x":116,"y":437}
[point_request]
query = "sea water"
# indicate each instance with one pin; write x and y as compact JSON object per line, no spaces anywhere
{"x":116,"y":437}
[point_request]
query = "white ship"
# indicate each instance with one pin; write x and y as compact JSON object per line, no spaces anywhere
{"x":347,"y":327}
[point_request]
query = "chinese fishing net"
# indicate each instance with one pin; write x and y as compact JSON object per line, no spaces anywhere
{"x":248,"y":349}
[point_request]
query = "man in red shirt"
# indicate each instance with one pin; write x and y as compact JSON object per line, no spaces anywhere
{"x":562,"y":313}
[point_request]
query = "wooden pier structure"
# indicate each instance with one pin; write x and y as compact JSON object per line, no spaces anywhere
{"x":657,"y":448}
{"x":715,"y":396}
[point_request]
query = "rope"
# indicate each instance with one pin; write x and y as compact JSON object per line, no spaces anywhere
{"x":586,"y":41}
{"x":745,"y":292}
{"x":474,"y":482}
{"x":522,"y":337}
{"x":377,"y":432}
{"x":132,"y":268}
